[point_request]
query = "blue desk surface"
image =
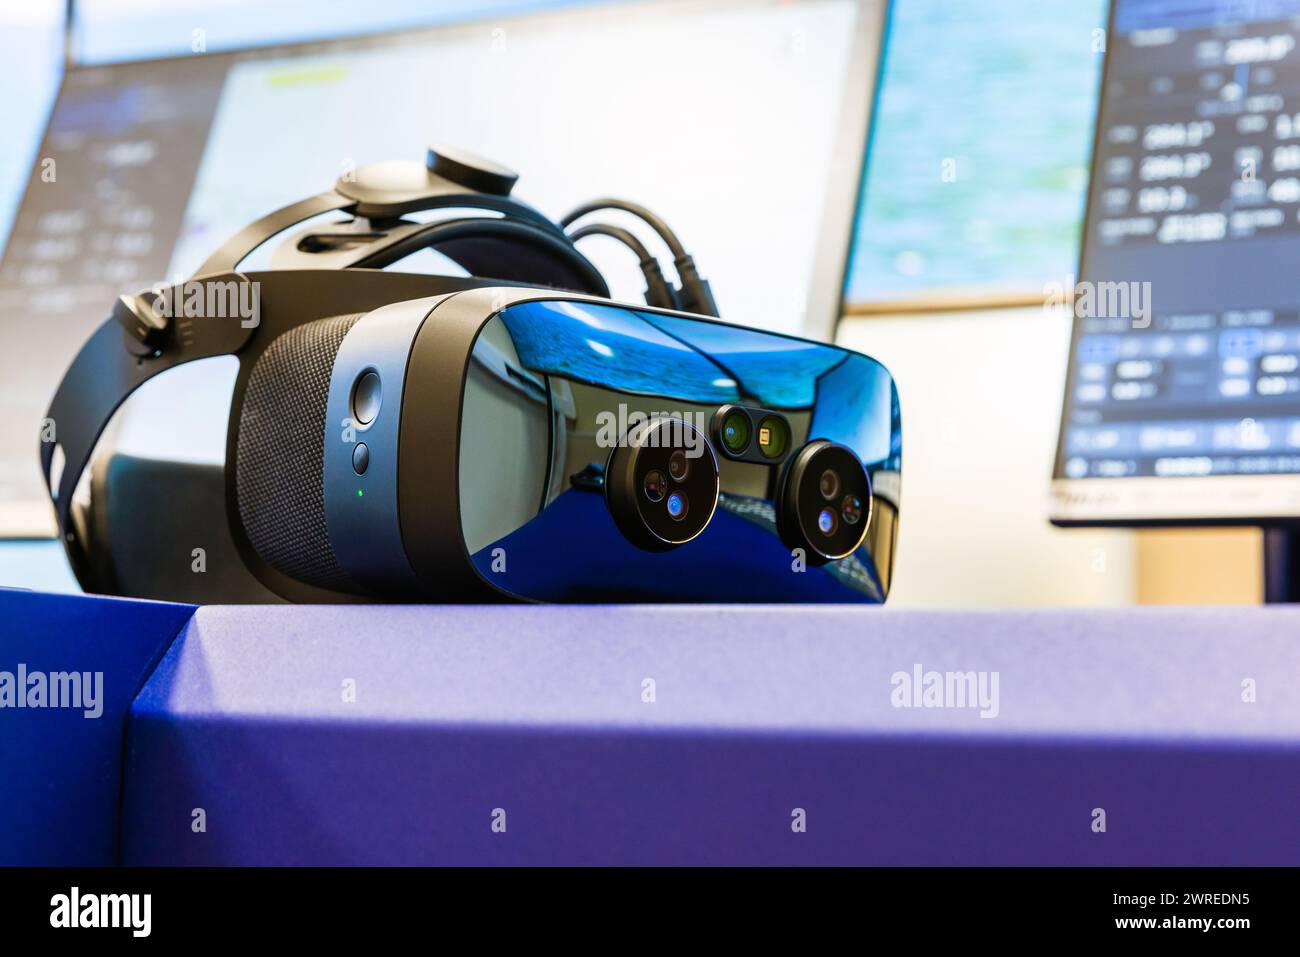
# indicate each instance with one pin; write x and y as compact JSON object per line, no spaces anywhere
{"x":413,"y":734}
{"x":60,"y":767}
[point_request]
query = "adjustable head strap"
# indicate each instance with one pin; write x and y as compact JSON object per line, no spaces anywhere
{"x":143,"y":338}
{"x":384,"y":192}
{"x":236,"y":249}
{"x":520,"y":246}
{"x":510,"y":250}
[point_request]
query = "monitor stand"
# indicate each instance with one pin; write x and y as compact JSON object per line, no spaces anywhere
{"x":1281,"y":566}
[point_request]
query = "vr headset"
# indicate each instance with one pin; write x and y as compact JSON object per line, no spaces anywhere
{"x":512,"y":435}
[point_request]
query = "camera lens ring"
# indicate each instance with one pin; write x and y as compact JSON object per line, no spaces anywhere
{"x":801,"y":506}
{"x":648,"y":524}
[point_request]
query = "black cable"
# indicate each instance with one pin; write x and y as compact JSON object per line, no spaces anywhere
{"x":693,"y":293}
{"x":624,"y":236}
{"x":658,"y":291}
{"x":640,"y":212}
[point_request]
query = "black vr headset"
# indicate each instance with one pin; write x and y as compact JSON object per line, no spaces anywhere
{"x":513,"y":435}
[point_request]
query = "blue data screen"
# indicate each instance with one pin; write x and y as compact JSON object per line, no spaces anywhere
{"x":1186,"y":352}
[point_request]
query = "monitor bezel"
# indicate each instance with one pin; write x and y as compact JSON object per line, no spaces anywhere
{"x":859,"y":100}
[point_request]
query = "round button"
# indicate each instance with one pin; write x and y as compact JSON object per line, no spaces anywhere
{"x":360,"y":458}
{"x":367,"y":395}
{"x":472,"y":172}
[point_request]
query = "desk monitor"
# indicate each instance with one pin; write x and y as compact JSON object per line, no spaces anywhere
{"x":972,"y":189}
{"x":1182,"y":401}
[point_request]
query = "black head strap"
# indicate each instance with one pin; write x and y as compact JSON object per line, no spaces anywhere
{"x":380,"y":194}
{"x":142,"y":339}
{"x":511,"y":250}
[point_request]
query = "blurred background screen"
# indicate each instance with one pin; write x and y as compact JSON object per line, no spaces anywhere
{"x":1195,"y":197}
{"x":147,"y":165}
{"x":974,"y":189}
{"x":31,"y":48}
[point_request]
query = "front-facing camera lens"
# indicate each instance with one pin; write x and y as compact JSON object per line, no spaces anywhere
{"x":735,"y":432}
{"x":829,"y":484}
{"x":677,"y":506}
{"x":654,"y":485}
{"x":773,"y":437}
{"x":679,"y":466}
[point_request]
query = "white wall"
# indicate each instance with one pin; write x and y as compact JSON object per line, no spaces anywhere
{"x":981,"y":398}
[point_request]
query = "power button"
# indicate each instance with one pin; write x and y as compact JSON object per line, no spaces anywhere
{"x":367,"y":395}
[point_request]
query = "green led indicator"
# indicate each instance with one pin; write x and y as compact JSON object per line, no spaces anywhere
{"x":359,"y":493}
